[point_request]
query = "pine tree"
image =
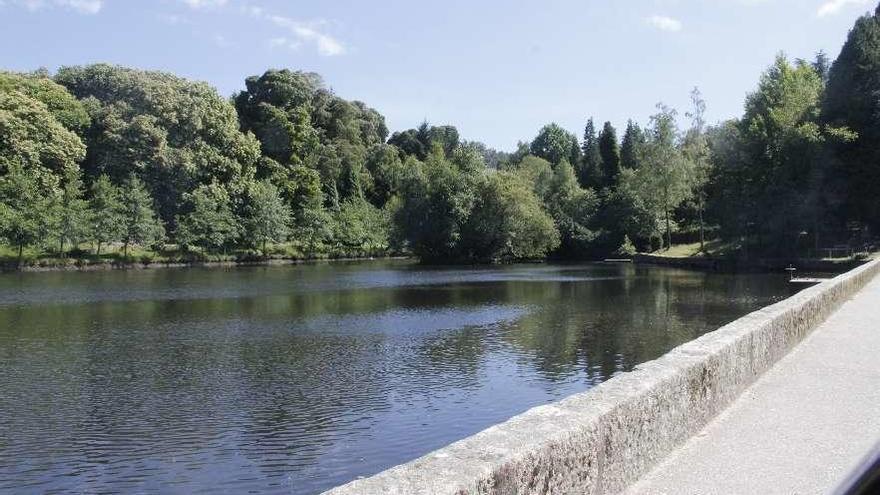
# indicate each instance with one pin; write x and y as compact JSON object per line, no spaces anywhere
{"x":105,"y":212}
{"x":73,"y":210}
{"x":609,"y":150}
{"x":590,"y":173}
{"x":140,"y":225}
{"x":851,"y":101}
{"x":633,"y":141}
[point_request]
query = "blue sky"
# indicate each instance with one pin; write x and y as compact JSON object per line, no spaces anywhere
{"x":498,"y":70}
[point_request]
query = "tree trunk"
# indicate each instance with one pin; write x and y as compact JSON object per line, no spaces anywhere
{"x":264,"y":248}
{"x":702,"y":232}
{"x":20,"y":253}
{"x":61,"y":247}
{"x":125,"y":250}
{"x":98,"y":251}
{"x":668,"y":231}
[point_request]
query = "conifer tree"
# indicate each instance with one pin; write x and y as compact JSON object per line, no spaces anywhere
{"x":633,"y":141}
{"x":105,"y":212}
{"x":73,"y":211}
{"x":590,"y":172}
{"x":609,"y":150}
{"x":140,"y":225}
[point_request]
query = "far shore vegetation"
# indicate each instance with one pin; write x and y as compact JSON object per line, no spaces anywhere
{"x":104,"y":163}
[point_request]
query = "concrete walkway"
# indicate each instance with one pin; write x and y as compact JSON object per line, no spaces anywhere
{"x":801,"y":428}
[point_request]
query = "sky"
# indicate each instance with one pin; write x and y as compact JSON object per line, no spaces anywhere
{"x":496,"y":69}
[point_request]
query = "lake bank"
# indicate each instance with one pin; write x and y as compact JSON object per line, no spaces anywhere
{"x":86,"y":265}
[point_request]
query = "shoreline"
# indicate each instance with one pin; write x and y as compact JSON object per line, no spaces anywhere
{"x":758,"y":264}
{"x":77,"y":265}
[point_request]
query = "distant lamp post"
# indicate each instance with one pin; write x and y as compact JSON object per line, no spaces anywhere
{"x":791,"y":269}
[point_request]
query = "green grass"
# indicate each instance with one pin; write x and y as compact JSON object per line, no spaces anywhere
{"x":85,"y":255}
{"x":712,"y":248}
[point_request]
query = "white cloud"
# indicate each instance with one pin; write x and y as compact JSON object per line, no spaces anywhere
{"x":310,"y":33}
{"x":299,"y":33}
{"x":665,"y":23}
{"x":832,"y":7}
{"x":81,"y":6}
{"x":204,"y":4}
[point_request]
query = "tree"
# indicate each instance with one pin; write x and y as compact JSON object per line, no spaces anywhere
{"x":696,"y":149}
{"x":609,"y":150}
{"x":386,"y":169}
{"x":572,"y":209}
{"x":507,"y":222}
{"x":139,"y":222}
{"x":781,"y":139}
{"x":590,"y":172}
{"x":361,"y":228}
{"x":554,"y":144}
{"x":631,"y":147}
{"x":63,"y":106}
{"x":210,"y":222}
{"x":267,"y":218}
{"x":107,"y":222}
{"x":32,"y":136}
{"x":72,"y":210}
{"x":435,"y":204}
{"x":852,"y":100}
{"x":665,"y":177}
{"x":172,"y":133}
{"x":26,"y":206}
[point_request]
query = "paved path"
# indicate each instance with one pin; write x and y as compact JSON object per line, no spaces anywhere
{"x":801,"y":428}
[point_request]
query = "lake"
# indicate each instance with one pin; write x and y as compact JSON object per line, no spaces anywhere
{"x":295,"y":379}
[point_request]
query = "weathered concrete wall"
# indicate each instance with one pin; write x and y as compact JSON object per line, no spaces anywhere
{"x":600,"y":441}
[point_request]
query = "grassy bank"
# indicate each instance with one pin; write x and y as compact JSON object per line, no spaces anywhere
{"x":85,"y":257}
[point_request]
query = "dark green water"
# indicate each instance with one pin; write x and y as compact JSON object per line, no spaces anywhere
{"x":296,"y":379}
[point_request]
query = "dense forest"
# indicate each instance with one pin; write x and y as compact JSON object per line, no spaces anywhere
{"x":105,"y":160}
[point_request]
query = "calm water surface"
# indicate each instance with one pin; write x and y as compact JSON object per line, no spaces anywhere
{"x":296,"y":379}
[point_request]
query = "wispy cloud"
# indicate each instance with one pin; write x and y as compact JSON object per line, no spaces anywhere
{"x":664,"y":23}
{"x":310,"y":33}
{"x":81,"y":6}
{"x":299,"y":33}
{"x":832,"y":7}
{"x":203,"y":4}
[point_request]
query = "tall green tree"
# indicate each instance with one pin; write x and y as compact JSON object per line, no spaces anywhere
{"x":631,"y":146}
{"x":590,"y":170}
{"x":31,"y":135}
{"x":139,"y":223}
{"x":609,"y":150}
{"x":507,"y":222}
{"x":26,"y":206}
{"x":696,"y":149}
{"x":105,"y":210}
{"x":665,"y":178}
{"x":386,"y":169}
{"x":782,"y":138}
{"x":172,"y":133}
{"x":72,"y":210}
{"x":267,"y":218}
{"x":572,"y":208}
{"x":210,"y":222}
{"x":554,"y":144}
{"x":852,"y":100}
